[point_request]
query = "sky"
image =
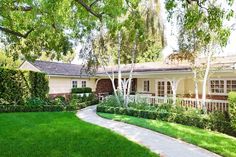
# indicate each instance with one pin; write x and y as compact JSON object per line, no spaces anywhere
{"x":230,"y":49}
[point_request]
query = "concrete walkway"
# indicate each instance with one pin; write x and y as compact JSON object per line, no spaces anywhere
{"x":158,"y":143}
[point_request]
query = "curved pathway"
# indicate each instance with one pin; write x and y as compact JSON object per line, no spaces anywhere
{"x":156,"y":142}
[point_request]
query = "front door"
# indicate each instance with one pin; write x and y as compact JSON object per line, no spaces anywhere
{"x":163,"y":88}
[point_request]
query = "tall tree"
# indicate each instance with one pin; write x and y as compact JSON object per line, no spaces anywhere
{"x":205,"y":19}
{"x":28,"y":27}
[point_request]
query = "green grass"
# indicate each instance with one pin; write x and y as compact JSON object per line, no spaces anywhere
{"x":216,"y":142}
{"x":61,"y":134}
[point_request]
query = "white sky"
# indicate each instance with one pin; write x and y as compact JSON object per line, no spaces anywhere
{"x":230,"y":49}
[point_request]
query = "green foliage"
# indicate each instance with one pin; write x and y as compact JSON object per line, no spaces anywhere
{"x":31,"y":108}
{"x":110,"y":101}
{"x":77,"y":102}
{"x":59,"y":100}
{"x":7,"y":61}
{"x":216,"y":121}
{"x":17,"y":86}
{"x":219,"y":143}
{"x":35,"y":102}
{"x":201,"y":24}
{"x":81,"y":90}
{"x":232,"y":108}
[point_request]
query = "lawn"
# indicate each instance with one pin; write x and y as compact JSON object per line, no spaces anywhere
{"x":216,"y":142}
{"x":61,"y":134}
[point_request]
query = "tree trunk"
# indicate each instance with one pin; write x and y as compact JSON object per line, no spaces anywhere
{"x":119,"y":68}
{"x":174,"y":85}
{"x":205,"y":80}
{"x":196,"y":87}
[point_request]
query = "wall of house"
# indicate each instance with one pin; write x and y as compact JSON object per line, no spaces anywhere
{"x":28,"y":66}
{"x":152,"y":85}
{"x":59,"y":85}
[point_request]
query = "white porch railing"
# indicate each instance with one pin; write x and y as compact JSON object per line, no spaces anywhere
{"x":211,"y":105}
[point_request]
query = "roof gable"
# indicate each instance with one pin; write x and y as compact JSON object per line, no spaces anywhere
{"x":54,"y":68}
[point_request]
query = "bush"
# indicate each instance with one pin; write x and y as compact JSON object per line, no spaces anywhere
{"x":17,"y":86}
{"x":232,"y":108}
{"x":39,"y":108}
{"x":35,"y":102}
{"x":81,"y":90}
{"x":59,"y":100}
{"x":216,"y":121}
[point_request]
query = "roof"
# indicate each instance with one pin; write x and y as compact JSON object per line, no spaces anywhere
{"x":55,"y":68}
{"x":66,"y":69}
{"x":147,"y":67}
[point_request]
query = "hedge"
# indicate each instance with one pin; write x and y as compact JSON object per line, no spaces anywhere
{"x":81,"y":90}
{"x":214,"y":122}
{"x":24,"y":108}
{"x":232,"y":108}
{"x":16,"y":86}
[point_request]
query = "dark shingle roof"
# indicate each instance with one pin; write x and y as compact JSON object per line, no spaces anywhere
{"x":147,"y":67}
{"x":54,"y":68}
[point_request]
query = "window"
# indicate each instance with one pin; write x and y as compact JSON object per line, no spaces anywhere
{"x":83,"y":83}
{"x":164,"y":88}
{"x":146,"y":86}
{"x":222,"y":86}
{"x":231,"y":85}
{"x":161,"y":88}
{"x":169,"y":89}
{"x":74,"y":84}
{"x":217,"y":86}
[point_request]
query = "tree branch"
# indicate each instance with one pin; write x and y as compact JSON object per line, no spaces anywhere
{"x":91,"y":5}
{"x":18,"y":34}
{"x":89,"y":9}
{"x":22,"y":8}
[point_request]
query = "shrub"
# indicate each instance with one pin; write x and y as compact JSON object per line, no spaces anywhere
{"x":81,"y":90}
{"x":59,"y":101}
{"x":17,"y":86}
{"x":35,"y":102}
{"x":232,"y":108}
{"x":110,"y":101}
{"x":36,"y":108}
{"x":216,"y":121}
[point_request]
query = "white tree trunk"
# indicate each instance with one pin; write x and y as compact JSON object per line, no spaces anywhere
{"x":119,"y":68}
{"x":204,"y":85}
{"x":174,"y":84}
{"x":196,"y":87}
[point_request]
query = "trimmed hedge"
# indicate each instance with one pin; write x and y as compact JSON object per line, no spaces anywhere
{"x":81,"y":105}
{"x":232,"y":108}
{"x":81,"y":90}
{"x":216,"y":121}
{"x":16,"y":86}
{"x":22,"y":108}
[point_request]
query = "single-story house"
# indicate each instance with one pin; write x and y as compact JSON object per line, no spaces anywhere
{"x":152,"y":78}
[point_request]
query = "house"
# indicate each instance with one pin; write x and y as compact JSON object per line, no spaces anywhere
{"x":151,"y":79}
{"x":62,"y":77}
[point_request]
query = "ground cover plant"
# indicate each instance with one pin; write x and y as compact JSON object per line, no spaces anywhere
{"x":216,"y":142}
{"x":61,"y":134}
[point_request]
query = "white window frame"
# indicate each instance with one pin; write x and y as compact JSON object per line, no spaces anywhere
{"x":165,"y":87}
{"x":82,"y":83}
{"x":148,"y":85}
{"x":225,"y":85}
{"x":72,"y":85}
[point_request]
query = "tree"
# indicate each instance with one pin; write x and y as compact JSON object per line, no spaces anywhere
{"x":7,"y":61}
{"x":68,"y":58}
{"x":205,"y":19}
{"x":31,"y":27}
